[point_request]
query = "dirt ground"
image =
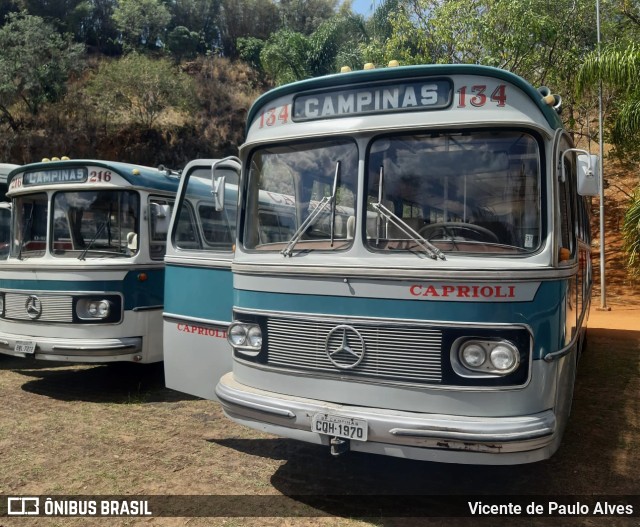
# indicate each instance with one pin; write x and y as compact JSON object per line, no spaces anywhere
{"x":116,"y":430}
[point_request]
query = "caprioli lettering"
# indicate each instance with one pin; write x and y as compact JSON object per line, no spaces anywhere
{"x":463,"y":291}
{"x":199,"y":330}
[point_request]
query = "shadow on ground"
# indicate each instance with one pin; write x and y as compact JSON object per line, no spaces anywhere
{"x":121,"y":382}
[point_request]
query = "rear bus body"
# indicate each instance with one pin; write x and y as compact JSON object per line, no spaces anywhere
{"x":84,"y":278}
{"x":444,"y":322}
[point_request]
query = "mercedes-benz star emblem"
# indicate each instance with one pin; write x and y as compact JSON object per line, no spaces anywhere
{"x":33,"y":307}
{"x":345,"y":347}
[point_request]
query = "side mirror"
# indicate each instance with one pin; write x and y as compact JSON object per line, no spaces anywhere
{"x":588,"y":175}
{"x":160,"y":217}
{"x":132,"y":241}
{"x":218,"y":179}
{"x":588,"y":170}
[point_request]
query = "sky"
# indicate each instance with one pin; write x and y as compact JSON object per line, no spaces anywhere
{"x":362,"y":7}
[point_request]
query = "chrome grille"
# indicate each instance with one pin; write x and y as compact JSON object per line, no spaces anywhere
{"x":55,"y":308}
{"x":396,"y":352}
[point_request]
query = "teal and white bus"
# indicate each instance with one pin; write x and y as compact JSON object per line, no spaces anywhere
{"x":5,"y":209}
{"x":445,"y":321}
{"x":198,"y":281}
{"x":84,"y":278}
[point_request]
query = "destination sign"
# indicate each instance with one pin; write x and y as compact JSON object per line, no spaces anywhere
{"x":55,"y":176}
{"x":407,"y":96}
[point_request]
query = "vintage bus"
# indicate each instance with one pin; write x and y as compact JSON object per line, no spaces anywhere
{"x":445,"y":322}
{"x":84,"y":279}
{"x":5,"y":209}
{"x":198,"y":282}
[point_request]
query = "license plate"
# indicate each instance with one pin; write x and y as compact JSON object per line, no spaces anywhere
{"x":339,"y":426}
{"x":25,"y":346}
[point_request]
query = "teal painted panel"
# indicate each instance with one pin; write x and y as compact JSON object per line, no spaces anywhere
{"x":199,"y":292}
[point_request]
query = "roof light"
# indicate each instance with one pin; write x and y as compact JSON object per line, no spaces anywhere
{"x":46,"y":160}
{"x":394,"y":63}
{"x":65,"y":158}
{"x":345,"y":69}
{"x":55,"y":159}
{"x":369,"y":66}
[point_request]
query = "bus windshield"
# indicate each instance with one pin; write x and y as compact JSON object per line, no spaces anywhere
{"x":287,"y":183}
{"x":95,"y":223}
{"x":474,"y":192}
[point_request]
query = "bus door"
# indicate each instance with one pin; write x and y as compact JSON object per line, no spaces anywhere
{"x":198,"y":279}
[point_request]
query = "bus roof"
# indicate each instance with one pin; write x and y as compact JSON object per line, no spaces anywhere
{"x":5,"y":169}
{"x":405,"y":72}
{"x":146,"y":177}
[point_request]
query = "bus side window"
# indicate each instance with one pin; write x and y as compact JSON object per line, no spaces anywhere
{"x":218,"y":227}
{"x":186,"y":232}
{"x":567,"y":210}
{"x":159,"y":218}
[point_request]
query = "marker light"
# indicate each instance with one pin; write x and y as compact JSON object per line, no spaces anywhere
{"x":369,"y":66}
{"x":55,"y":159}
{"x":345,"y":69}
{"x":394,"y":63}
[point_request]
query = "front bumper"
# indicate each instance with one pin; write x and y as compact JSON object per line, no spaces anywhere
{"x":75,"y":350}
{"x":425,"y":436}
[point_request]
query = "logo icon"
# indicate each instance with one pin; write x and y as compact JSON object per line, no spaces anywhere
{"x":345,"y":347}
{"x":33,"y":307}
{"x":23,"y":506}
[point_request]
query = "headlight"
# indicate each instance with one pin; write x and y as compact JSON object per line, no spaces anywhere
{"x":245,"y":338}
{"x":477,"y":357}
{"x":88,"y":309}
{"x":473,"y":355}
{"x":237,"y":335}
{"x":503,"y":357}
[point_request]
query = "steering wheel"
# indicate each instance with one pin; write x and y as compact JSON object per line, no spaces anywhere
{"x":448,"y":228}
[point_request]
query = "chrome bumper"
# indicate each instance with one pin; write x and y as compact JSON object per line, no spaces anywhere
{"x":78,"y":350}
{"x":494,"y":440}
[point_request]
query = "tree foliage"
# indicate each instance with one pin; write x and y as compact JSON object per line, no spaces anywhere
{"x":139,"y":88}
{"x":631,"y":234}
{"x":35,"y":64}
{"x":142,"y":23}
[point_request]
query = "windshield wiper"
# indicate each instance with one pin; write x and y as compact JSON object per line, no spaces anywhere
{"x":311,"y":219}
{"x":431,"y":250}
{"x":95,"y":237}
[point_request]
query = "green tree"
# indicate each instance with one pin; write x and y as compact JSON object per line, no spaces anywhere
{"x":631,"y":235}
{"x":245,"y":18}
{"x":138,"y":89}
{"x":249,"y":50}
{"x":305,"y":16}
{"x":143,"y":23}
{"x":35,"y":63}
{"x":183,"y":43}
{"x":619,"y":68}
{"x":198,"y":16}
{"x":289,"y":56}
